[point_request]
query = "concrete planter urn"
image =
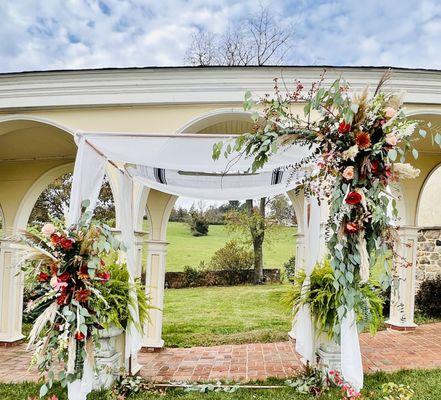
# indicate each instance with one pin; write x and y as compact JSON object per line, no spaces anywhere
{"x":107,"y":358}
{"x":329,"y":353}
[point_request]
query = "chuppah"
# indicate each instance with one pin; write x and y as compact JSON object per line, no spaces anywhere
{"x":346,"y":157}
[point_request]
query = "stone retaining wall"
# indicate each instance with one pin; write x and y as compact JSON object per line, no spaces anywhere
{"x":428,"y":254}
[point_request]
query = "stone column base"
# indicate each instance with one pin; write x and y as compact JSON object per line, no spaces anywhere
{"x":11,"y":341}
{"x":398,"y":327}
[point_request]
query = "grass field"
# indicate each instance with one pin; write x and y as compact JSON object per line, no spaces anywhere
{"x":425,"y":383}
{"x":185,"y":249}
{"x":221,"y":315}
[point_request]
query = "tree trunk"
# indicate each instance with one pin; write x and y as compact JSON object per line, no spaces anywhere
{"x":257,"y":229}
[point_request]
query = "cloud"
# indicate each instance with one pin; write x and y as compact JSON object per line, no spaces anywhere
{"x":57,"y":34}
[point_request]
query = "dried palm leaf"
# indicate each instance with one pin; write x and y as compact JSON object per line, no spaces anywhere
{"x":361,"y":101}
{"x":384,"y":78}
{"x":47,"y":316}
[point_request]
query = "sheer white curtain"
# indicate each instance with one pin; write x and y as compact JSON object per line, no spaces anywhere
{"x":304,"y":325}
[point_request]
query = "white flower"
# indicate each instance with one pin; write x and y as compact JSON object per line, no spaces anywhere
{"x":406,"y":131}
{"x":405,"y":171}
{"x":48,"y":229}
{"x":350,"y":153}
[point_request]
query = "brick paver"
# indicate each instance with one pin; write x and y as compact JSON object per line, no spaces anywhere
{"x":387,"y":351}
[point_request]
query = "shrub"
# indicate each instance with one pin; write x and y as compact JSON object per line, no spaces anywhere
{"x":234,"y":260}
{"x":191,"y":276}
{"x":198,"y":224}
{"x":427,"y":298}
{"x":290,"y":268}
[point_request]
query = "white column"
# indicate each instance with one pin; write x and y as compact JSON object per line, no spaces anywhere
{"x":11,"y":296}
{"x":154,"y":286}
{"x":402,"y":305}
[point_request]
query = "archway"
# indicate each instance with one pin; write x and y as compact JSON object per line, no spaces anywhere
{"x":159,"y":207}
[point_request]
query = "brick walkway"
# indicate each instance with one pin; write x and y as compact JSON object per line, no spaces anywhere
{"x":387,"y":351}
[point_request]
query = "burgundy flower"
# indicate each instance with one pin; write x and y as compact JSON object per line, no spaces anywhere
{"x":363,"y":140}
{"x":61,"y":299}
{"x":79,"y":335}
{"x":43,"y":277}
{"x":375,"y":165}
{"x":351,"y":227}
{"x":66,"y":243}
{"x":64,"y":277}
{"x":353,"y":198}
{"x":82,"y":295}
{"x":344,"y":127}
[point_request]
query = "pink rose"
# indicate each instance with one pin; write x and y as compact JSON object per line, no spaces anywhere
{"x":57,"y":283}
{"x":391,"y":139}
{"x":48,"y":229}
{"x":348,"y":173}
{"x":389,"y":112}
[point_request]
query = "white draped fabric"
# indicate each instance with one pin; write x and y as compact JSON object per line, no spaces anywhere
{"x":88,"y":176}
{"x":351,"y":364}
{"x":126,"y":224}
{"x":182,"y":165}
{"x":304,"y":325}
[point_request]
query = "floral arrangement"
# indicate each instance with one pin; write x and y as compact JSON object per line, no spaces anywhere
{"x":358,"y":145}
{"x":68,"y":266}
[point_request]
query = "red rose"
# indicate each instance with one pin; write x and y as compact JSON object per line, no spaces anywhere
{"x":344,"y":127}
{"x":104,"y":276}
{"x":82,"y":295}
{"x":79,"y":335}
{"x":66,"y":243}
{"x":43,"y":277}
{"x":64,"y":277}
{"x":353,"y":198}
{"x":351,"y":227}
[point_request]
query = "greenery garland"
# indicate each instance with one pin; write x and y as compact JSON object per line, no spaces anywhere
{"x":355,"y":144}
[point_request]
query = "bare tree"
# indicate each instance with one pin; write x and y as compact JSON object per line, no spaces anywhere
{"x":260,"y":39}
{"x":269,"y":39}
{"x":203,"y":50}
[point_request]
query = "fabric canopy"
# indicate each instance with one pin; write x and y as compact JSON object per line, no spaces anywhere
{"x":182,"y":165}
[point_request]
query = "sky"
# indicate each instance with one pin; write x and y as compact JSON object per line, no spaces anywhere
{"x":73,"y":34}
{"x":66,"y":34}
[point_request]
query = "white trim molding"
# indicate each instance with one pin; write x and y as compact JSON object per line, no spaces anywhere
{"x":180,"y":85}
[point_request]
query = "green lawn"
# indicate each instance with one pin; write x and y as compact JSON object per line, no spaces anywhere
{"x":185,"y":249}
{"x":425,"y":383}
{"x":221,"y":315}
